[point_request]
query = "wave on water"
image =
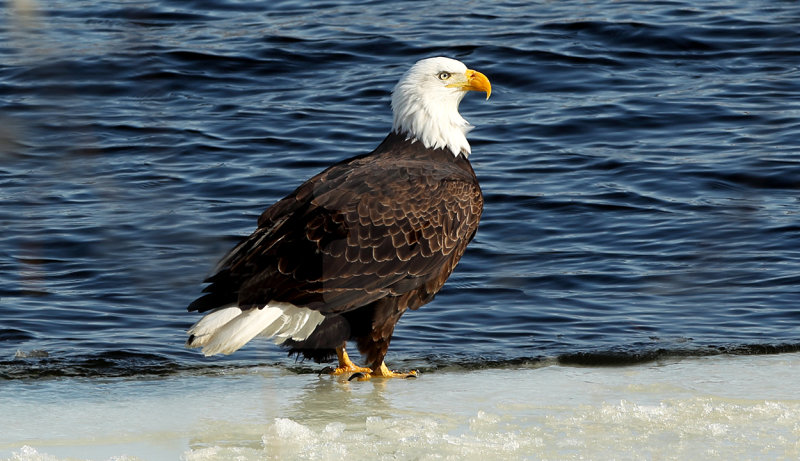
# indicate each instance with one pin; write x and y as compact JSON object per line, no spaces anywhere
{"x":638,"y":162}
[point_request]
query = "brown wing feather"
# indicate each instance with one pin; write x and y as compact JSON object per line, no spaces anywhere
{"x":380,"y":225}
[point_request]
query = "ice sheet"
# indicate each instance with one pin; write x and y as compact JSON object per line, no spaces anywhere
{"x":706,"y":408}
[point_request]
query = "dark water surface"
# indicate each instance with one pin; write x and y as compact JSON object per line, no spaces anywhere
{"x":640,"y":163}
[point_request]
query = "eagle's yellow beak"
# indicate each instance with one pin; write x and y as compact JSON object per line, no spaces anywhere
{"x":474,"y":81}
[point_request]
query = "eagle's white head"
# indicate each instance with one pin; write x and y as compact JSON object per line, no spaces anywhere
{"x":425,"y":103}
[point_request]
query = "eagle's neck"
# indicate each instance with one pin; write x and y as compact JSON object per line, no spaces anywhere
{"x":435,"y":123}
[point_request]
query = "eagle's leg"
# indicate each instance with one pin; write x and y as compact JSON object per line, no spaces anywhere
{"x":383,"y":371}
{"x":346,"y":365}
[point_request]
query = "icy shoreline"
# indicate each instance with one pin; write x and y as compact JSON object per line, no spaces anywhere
{"x":714,"y":408}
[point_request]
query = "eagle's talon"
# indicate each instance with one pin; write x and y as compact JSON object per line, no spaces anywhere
{"x":359,"y":376}
{"x":346,"y":365}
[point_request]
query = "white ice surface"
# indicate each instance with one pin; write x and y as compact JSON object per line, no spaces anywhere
{"x":721,"y":407}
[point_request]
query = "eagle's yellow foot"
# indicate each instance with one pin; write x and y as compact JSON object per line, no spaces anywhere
{"x":350,"y":369}
{"x":346,"y":365}
{"x":382,"y":372}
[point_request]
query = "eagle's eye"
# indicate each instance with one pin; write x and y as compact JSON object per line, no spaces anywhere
{"x":443,"y":75}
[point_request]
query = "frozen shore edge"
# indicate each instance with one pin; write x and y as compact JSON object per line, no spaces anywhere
{"x":712,"y":407}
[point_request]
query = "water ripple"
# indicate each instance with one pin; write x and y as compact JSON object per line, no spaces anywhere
{"x":638,"y":160}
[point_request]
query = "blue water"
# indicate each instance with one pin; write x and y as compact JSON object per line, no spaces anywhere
{"x":640,"y":163}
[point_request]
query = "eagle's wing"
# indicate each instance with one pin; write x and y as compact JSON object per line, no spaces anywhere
{"x":355,"y":233}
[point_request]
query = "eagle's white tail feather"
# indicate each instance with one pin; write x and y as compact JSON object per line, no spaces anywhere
{"x":275,"y":328}
{"x":201,"y":332}
{"x":236,"y":333}
{"x":297,"y":321}
{"x":226,"y":329}
{"x":305,"y":330}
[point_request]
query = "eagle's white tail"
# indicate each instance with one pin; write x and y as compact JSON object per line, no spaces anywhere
{"x":226,"y":329}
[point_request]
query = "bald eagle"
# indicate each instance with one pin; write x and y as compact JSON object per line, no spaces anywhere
{"x":349,"y":251}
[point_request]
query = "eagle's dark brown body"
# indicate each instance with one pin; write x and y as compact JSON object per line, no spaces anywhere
{"x":360,"y":242}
